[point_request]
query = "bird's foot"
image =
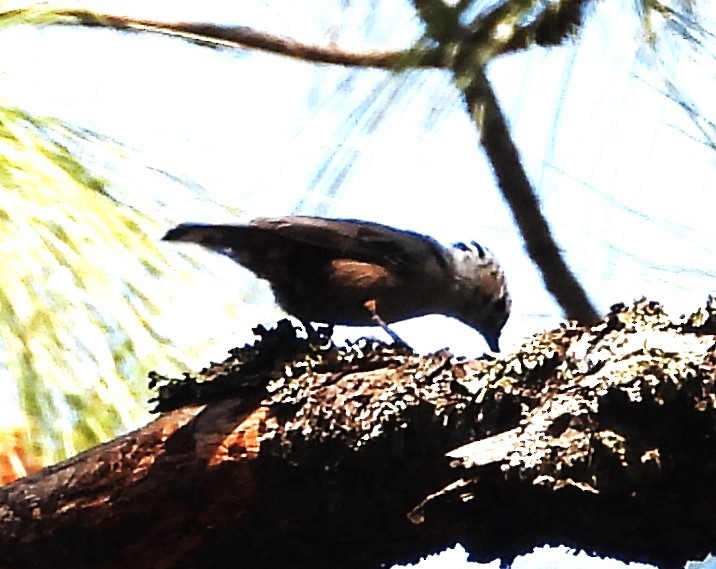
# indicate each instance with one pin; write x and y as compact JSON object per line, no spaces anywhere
{"x":318,"y":335}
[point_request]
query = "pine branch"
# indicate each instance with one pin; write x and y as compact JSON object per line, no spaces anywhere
{"x":598,"y":438}
{"x":504,"y":157}
{"x":215,"y":36}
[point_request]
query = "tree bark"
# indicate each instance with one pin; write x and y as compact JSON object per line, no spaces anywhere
{"x":295,"y":455}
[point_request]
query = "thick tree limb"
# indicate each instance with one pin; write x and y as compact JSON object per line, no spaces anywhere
{"x":550,"y":26}
{"x":267,"y":480}
{"x":597,"y":438}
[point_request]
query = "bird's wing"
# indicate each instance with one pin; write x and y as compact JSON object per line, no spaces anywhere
{"x":362,"y":240}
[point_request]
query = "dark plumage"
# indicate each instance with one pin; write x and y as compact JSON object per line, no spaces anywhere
{"x":345,"y":271}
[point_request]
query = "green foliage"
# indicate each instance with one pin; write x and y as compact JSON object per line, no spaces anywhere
{"x":75,"y":329}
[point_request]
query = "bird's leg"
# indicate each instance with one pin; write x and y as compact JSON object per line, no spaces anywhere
{"x":370,"y":306}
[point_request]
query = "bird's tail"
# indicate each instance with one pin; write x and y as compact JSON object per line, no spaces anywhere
{"x":252,"y":247}
{"x":210,"y":236}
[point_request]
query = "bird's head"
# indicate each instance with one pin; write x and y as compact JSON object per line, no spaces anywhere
{"x":481,"y":297}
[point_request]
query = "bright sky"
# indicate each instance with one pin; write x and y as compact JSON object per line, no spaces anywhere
{"x":629,"y":194}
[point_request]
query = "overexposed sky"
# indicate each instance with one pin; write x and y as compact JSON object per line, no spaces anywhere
{"x":622,"y":185}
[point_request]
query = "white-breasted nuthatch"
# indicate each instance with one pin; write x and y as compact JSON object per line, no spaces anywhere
{"x":359,"y":273}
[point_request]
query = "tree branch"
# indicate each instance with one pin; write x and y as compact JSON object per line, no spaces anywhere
{"x":520,"y":195}
{"x":469,"y":76}
{"x":211,"y":35}
{"x":515,"y":26}
{"x":600,"y":439}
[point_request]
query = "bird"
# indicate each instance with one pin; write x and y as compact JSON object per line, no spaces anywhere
{"x":362,"y":273}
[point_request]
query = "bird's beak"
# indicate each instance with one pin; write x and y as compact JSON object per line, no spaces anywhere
{"x":493,"y":342}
